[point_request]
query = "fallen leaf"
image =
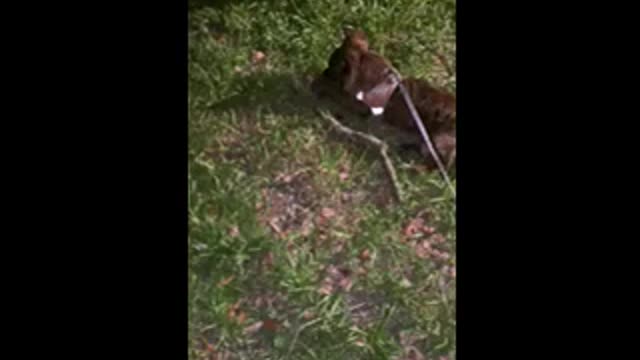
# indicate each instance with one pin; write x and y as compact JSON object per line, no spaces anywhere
{"x":343,"y":173}
{"x":333,"y":271}
{"x":224,"y":282}
{"x":253,"y":328}
{"x":234,"y":231}
{"x":336,"y":278}
{"x":405,"y":283}
{"x":308,"y":315}
{"x":327,"y":213}
{"x":337,"y":247}
{"x":423,"y":249}
{"x":413,"y":227}
{"x":257,"y":57}
{"x":242,"y":316}
{"x":234,"y":314}
{"x":428,"y":229}
{"x":346,"y":283}
{"x":438,"y":238}
{"x":365,"y":255}
{"x":274,"y":226}
{"x":271,"y":325}
{"x":326,"y":288}
{"x":210,"y":348}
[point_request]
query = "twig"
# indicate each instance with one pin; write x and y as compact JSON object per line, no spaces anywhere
{"x":382,"y":146}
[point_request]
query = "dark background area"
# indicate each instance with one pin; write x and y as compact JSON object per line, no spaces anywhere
{"x":98,"y":147}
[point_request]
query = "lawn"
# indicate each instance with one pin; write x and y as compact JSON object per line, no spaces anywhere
{"x":297,"y":249}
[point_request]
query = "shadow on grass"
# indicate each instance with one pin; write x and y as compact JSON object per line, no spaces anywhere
{"x":280,"y":94}
{"x":292,"y":95}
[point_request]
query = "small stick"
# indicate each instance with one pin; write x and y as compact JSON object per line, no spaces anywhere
{"x":382,"y":146}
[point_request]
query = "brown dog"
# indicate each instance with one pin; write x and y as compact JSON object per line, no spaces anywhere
{"x":356,"y":72}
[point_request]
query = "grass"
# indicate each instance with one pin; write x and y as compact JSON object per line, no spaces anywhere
{"x":296,"y":249}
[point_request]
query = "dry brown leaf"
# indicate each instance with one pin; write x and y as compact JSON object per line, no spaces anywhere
{"x":337,"y":247}
{"x":333,"y":271}
{"x":326,"y":288}
{"x":224,"y":282}
{"x":327,"y":213}
{"x":346,"y":283}
{"x":337,"y":278}
{"x":413,"y":227}
{"x":362,"y":270}
{"x":257,"y":57}
{"x":405,"y":283}
{"x":438,"y":238}
{"x":365,"y":255}
{"x":423,"y":249}
{"x":308,"y":315}
{"x":271,"y":325}
{"x":234,"y":231}
{"x":210,"y":348}
{"x":253,"y":328}
{"x":343,"y":172}
{"x":273,"y":223}
{"x":242,"y":316}
{"x":428,"y":229}
{"x":234,"y":314}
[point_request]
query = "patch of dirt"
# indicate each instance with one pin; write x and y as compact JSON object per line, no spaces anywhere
{"x":286,"y":205}
{"x":365,"y":307}
{"x":294,"y":204}
{"x":336,"y":279}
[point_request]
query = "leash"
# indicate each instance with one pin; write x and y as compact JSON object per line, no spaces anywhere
{"x":423,"y":131}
